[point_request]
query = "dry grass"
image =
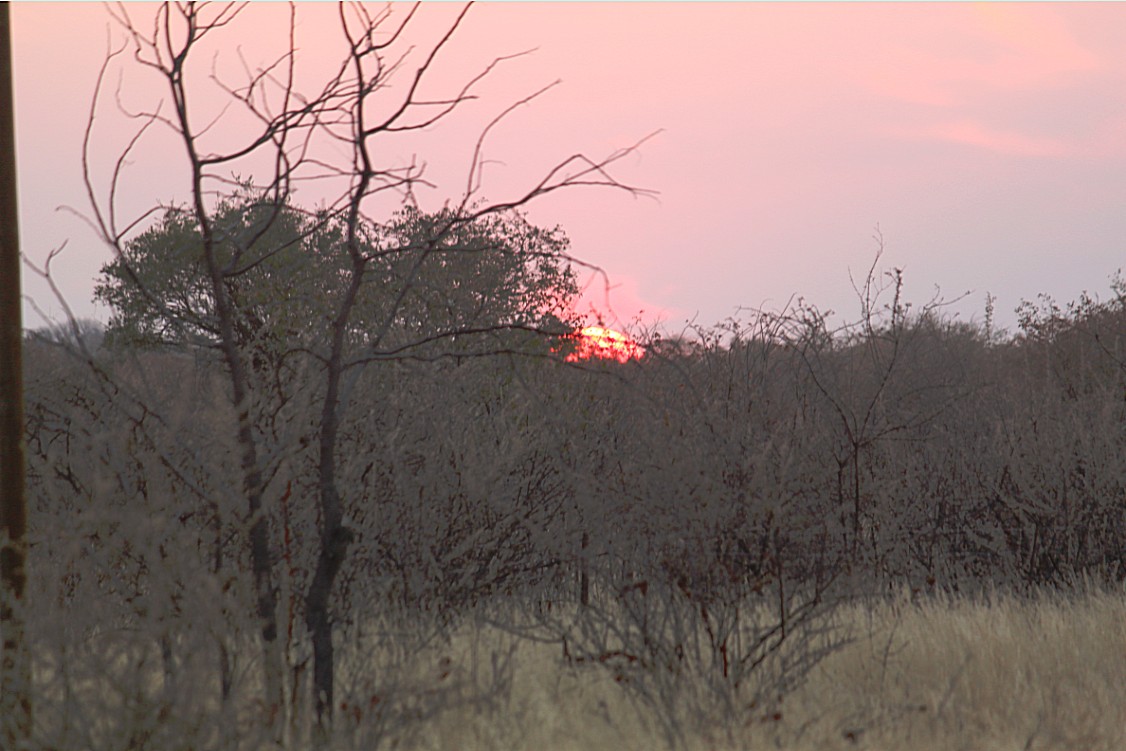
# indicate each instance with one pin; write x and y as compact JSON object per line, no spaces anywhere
{"x":994,"y":673}
{"x":989,"y":673}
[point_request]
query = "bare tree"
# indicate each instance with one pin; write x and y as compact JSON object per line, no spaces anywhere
{"x":333,"y":133}
{"x":861,"y":372}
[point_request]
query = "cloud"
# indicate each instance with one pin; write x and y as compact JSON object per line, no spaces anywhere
{"x":956,"y":55}
{"x":1041,"y":48}
{"x":1008,"y":142}
{"x":1014,"y":80}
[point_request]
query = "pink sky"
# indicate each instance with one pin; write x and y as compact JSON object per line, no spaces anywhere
{"x":987,"y":142}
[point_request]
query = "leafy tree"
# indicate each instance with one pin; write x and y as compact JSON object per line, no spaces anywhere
{"x":417,"y":286}
{"x":430,"y":278}
{"x":454,"y":277}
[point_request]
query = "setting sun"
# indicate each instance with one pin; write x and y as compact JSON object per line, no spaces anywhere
{"x":598,"y":342}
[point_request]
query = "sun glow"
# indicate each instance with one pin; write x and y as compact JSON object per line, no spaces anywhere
{"x":598,"y":342}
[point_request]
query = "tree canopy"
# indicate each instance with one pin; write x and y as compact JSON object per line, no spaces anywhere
{"x":428,"y":278}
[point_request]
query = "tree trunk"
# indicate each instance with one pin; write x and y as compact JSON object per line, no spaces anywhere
{"x":335,"y":537}
{"x":319,"y":623}
{"x":584,"y":573}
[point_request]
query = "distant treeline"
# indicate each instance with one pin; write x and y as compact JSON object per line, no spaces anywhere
{"x":903,"y":449}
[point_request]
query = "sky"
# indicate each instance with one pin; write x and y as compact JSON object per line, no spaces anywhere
{"x":984,"y":143}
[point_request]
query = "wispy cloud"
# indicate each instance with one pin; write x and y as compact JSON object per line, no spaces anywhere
{"x":976,"y":52}
{"x":1002,"y":141}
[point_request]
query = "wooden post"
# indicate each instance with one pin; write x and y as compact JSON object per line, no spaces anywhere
{"x":15,"y":667}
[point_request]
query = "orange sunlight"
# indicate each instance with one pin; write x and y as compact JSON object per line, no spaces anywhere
{"x":598,"y":342}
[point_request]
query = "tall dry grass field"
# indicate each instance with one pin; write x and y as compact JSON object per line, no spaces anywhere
{"x":990,"y":673}
{"x":993,"y":672}
{"x":998,"y":672}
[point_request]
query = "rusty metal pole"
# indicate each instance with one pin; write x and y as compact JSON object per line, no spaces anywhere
{"x":15,"y":666}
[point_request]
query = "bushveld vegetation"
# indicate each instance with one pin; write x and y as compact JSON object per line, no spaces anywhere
{"x":699,"y":532}
{"x":333,"y":477}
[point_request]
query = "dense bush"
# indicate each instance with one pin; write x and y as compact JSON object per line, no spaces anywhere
{"x":768,"y":463}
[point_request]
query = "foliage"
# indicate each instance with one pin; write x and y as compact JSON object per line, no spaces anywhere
{"x":431,"y":277}
{"x":698,"y":492}
{"x":366,"y":459}
{"x":78,"y":334}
